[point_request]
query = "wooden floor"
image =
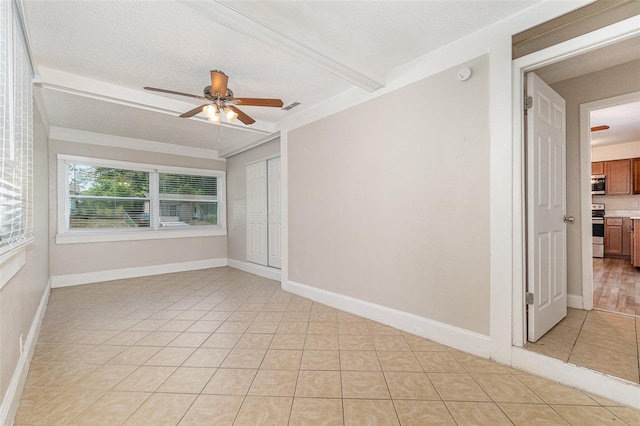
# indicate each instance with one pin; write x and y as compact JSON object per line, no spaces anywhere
{"x":616,"y":286}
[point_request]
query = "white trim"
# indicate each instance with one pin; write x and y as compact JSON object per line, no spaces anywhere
{"x":585,"y":187}
{"x":61,"y":81}
{"x":260,"y":160}
{"x":582,"y":378}
{"x":237,"y":150}
{"x":254,"y":268}
{"x":595,"y":382}
{"x":574,"y":301}
{"x":10,"y":264}
{"x":11,"y":399}
{"x":102,"y":139}
{"x":445,"y":334}
{"x":67,"y":236}
{"x":284,"y":209}
{"x":154,"y":234}
{"x":288,"y":36}
{"x":58,"y":281}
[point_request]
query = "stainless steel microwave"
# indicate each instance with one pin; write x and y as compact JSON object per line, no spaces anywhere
{"x":598,"y":185}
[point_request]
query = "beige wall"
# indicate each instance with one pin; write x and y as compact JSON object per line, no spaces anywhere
{"x":603,"y":84}
{"x":615,"y":152}
{"x":69,"y":259}
{"x":21,"y":296}
{"x":236,"y":196}
{"x":389,"y":200}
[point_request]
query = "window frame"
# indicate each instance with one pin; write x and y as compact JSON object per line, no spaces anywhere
{"x":15,"y":53}
{"x":154,"y":231}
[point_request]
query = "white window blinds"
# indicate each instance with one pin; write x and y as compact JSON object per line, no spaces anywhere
{"x":16,"y":115}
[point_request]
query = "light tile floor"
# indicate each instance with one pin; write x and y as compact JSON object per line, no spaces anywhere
{"x":220,"y":346}
{"x":603,"y":341}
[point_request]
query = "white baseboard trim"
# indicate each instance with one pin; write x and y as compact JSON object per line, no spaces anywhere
{"x":455,"y":337}
{"x":58,"y":281}
{"x":11,"y":400}
{"x":252,"y":268}
{"x":609,"y":387}
{"x":574,"y":301}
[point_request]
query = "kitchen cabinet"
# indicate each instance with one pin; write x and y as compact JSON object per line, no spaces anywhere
{"x":618,"y":174}
{"x":597,"y":168}
{"x":626,"y":236}
{"x":613,"y":236}
{"x":635,"y":243}
{"x":635,"y":165}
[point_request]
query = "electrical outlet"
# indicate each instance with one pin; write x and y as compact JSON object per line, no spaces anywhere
{"x":634,"y":204}
{"x":21,"y":343}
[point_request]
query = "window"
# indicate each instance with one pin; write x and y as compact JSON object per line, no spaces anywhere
{"x":16,"y":133}
{"x":104,"y":200}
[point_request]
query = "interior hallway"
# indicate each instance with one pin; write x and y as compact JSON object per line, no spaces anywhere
{"x":616,"y":285}
{"x":220,"y":346}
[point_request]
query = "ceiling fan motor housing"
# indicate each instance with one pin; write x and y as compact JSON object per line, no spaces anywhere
{"x":213,"y":97}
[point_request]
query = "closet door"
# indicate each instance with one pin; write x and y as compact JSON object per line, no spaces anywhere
{"x":257,"y":213}
{"x":273,"y":201}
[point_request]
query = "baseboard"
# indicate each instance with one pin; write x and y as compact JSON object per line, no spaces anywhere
{"x":252,"y":268}
{"x":609,"y":387}
{"x":455,"y":337}
{"x":11,"y":400}
{"x":58,"y":281}
{"x":574,"y":301}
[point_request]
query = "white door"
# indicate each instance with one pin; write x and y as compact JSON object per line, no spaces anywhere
{"x":546,"y":208}
{"x":273,"y":201}
{"x":257,"y":213}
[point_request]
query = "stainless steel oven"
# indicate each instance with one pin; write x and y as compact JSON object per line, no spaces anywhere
{"x":597,"y":229}
{"x":598,"y":184}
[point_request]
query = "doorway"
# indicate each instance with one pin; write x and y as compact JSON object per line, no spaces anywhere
{"x":580,"y":302}
{"x":612,"y":280}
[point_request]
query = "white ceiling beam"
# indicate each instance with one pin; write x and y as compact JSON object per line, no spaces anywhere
{"x":86,"y":87}
{"x":285,"y":35}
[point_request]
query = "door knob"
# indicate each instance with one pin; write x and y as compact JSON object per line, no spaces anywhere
{"x":569,"y":219}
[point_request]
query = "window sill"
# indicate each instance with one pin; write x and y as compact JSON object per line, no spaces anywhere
{"x":100,"y":237}
{"x":10,"y":263}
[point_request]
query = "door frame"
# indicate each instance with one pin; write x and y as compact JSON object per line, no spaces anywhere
{"x":585,"y":186}
{"x":591,"y":41}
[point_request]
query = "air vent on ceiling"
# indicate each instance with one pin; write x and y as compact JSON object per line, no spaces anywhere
{"x":290,"y":106}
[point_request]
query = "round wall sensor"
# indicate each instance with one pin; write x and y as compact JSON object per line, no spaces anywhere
{"x":464,"y":74}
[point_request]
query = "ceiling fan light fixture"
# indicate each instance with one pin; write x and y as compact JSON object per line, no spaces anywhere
{"x":212,"y":113}
{"x":230,"y":114}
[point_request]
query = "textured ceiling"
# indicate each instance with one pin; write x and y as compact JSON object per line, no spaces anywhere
{"x":97,"y":55}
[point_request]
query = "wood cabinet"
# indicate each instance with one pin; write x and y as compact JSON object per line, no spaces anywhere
{"x":597,"y":168}
{"x":635,"y":241}
{"x":626,"y":236}
{"x":635,"y":166}
{"x":613,"y":236}
{"x":618,"y":174}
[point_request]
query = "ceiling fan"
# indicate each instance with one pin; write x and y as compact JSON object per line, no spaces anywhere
{"x":223,"y":101}
{"x":598,"y":128}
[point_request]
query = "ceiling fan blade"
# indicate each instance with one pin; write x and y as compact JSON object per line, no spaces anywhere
{"x":597,"y":128}
{"x":265,"y":102}
{"x":193,"y":111}
{"x":219,"y":82}
{"x":154,"y":89}
{"x":242,"y":116}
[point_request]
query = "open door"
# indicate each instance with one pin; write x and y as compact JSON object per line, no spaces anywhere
{"x":546,"y":208}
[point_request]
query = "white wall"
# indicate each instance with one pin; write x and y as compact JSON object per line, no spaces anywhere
{"x":21,"y":296}
{"x":95,"y":259}
{"x":236,"y":196}
{"x":389,"y":200}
